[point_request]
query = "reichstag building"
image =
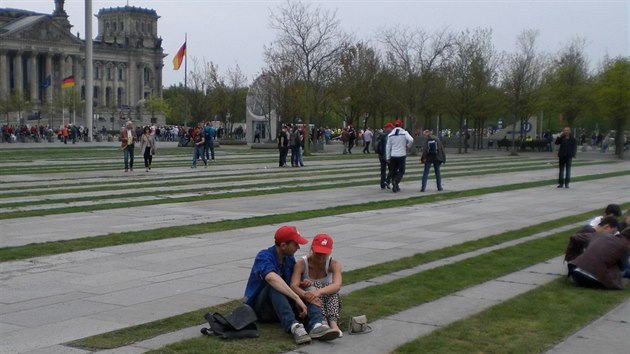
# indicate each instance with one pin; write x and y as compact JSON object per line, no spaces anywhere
{"x":42,"y":67}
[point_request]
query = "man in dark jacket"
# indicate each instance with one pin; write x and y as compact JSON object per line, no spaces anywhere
{"x":566,"y":152}
{"x":432,"y":155}
{"x":380,"y":142}
{"x":603,"y":261}
{"x":577,"y":243}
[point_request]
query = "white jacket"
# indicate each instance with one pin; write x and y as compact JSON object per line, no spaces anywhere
{"x":397,"y":142}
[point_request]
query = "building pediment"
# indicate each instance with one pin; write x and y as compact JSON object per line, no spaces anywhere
{"x":40,"y":29}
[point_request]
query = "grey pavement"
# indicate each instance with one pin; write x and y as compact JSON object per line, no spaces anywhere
{"x":609,"y":334}
{"x":395,"y":330}
{"x":47,"y":301}
{"x":87,"y":224}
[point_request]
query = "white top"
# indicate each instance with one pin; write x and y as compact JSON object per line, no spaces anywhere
{"x":325,"y":280}
{"x":367,"y":136}
{"x":397,"y":142}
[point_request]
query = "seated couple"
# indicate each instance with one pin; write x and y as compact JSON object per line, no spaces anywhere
{"x":297,"y":293}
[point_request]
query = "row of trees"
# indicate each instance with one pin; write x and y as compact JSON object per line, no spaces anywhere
{"x":316,"y":73}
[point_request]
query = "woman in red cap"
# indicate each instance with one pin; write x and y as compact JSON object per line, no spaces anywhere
{"x":318,"y":277}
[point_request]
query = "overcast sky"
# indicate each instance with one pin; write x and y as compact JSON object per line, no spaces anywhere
{"x":232,"y":32}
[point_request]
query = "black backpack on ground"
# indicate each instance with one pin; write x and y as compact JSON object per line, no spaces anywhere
{"x":241,"y":323}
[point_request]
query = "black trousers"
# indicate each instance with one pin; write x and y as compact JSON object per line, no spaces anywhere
{"x":397,"y":168}
{"x":385,"y":173}
{"x":564,"y":173}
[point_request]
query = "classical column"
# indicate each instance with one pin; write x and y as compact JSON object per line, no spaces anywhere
{"x":101,"y":100}
{"x":76,"y":72}
{"x":33,"y":78}
{"x":115,"y":102}
{"x":4,"y":75}
{"x":49,"y":91}
{"x":19,"y":73}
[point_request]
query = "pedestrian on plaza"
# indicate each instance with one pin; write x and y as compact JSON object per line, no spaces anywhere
{"x":345,"y":139}
{"x":380,"y":144}
{"x":566,"y":152}
{"x":269,"y":294}
{"x":283,"y":146}
{"x":318,"y":277}
{"x":199,"y":143}
{"x":432,"y":155}
{"x":295,"y":144}
{"x":65,"y":133}
{"x":257,"y":136}
{"x":128,"y":139}
{"x":367,"y":139}
{"x":398,"y":141}
{"x":603,"y":262}
{"x":147,"y":146}
{"x":352,"y":137}
{"x":208,"y":146}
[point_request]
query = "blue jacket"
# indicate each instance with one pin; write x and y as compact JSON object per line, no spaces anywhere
{"x":266,"y":262}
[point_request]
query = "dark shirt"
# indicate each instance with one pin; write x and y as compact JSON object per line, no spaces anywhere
{"x":568,"y":146}
{"x":266,"y":262}
{"x":604,"y":258}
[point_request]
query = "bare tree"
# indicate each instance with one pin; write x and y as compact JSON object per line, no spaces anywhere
{"x":470,"y":76}
{"x":418,"y":57}
{"x":309,"y":40}
{"x":521,"y":80}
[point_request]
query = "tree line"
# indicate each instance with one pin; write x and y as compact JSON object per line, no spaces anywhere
{"x":316,"y":73}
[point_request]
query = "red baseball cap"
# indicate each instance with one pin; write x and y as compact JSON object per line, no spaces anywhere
{"x":398,"y":123}
{"x":322,"y":243}
{"x":389,"y":125}
{"x":289,"y":233}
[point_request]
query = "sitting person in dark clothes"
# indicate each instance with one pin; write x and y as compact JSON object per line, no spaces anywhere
{"x":577,"y":243}
{"x":611,"y":210}
{"x":603,"y":262}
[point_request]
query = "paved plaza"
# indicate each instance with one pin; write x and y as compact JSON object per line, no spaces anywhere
{"x":48,"y":301}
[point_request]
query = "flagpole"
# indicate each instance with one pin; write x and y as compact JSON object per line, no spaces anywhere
{"x":186,"y":80}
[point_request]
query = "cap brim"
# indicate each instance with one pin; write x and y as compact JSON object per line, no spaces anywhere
{"x":301,"y":240}
{"x":320,"y":249}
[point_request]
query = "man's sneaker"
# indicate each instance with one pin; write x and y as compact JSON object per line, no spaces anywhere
{"x":324,"y":332}
{"x":299,"y":334}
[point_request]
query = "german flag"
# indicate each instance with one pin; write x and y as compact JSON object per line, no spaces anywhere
{"x":67,"y":82}
{"x":179,"y":57}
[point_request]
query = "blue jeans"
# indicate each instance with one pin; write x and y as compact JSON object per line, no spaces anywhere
{"x":270,"y":306}
{"x":425,"y":174}
{"x":128,"y":156}
{"x":209,"y":148}
{"x":198,"y":153}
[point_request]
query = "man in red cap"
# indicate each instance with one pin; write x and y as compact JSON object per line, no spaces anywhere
{"x":380,"y":142}
{"x":269,"y":294}
{"x":398,"y":141}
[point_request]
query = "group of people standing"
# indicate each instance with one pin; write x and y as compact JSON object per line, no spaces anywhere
{"x":391,"y":145}
{"x":291,"y":138}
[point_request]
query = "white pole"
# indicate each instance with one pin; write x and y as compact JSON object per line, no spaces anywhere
{"x":89,"y":68}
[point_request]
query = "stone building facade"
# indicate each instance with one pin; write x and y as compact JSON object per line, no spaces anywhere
{"x":37,"y":51}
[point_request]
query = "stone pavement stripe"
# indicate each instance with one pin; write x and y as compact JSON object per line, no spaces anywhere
{"x":393,"y":331}
{"x":54,"y":227}
{"x":609,"y":334}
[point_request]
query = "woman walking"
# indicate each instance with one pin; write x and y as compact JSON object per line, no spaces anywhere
{"x":147,"y":146}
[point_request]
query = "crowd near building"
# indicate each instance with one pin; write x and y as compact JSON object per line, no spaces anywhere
{"x":42,"y":65}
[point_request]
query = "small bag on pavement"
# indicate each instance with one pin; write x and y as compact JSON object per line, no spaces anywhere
{"x":358,"y":325}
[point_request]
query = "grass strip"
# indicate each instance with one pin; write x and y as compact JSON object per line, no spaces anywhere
{"x":129,"y":335}
{"x":57,"y":247}
{"x":214,"y":196}
{"x":529,"y":323}
{"x":382,"y":300}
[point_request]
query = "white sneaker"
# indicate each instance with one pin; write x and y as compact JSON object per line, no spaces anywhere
{"x":324,"y":332}
{"x":299,"y":334}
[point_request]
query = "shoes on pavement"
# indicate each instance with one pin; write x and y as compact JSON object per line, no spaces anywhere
{"x":560,"y":186}
{"x":299,"y":334}
{"x":324,"y":333}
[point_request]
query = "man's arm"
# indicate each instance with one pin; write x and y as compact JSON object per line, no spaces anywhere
{"x":276,"y":282}
{"x":577,"y":244}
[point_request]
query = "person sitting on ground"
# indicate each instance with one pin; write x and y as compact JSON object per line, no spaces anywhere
{"x":269,"y":294}
{"x":603,"y":262}
{"x":625,"y":222}
{"x":611,"y":210}
{"x":578,"y":242}
{"x":317,"y":278}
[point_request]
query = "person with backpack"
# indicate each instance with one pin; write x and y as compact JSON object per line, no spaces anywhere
{"x":398,"y":141}
{"x":432,"y":155}
{"x":380,"y":142}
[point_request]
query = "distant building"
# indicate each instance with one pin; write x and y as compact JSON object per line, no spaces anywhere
{"x":38,"y":51}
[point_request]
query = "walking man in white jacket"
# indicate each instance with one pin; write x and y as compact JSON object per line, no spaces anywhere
{"x":396,"y":153}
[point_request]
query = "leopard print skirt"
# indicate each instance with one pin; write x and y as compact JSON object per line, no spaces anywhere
{"x":331,"y":304}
